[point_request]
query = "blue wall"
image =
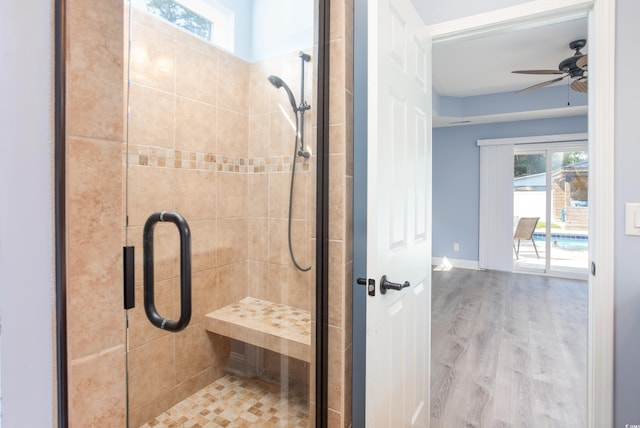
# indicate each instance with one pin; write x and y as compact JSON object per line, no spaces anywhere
{"x":552,"y":97}
{"x":456,"y":168}
{"x":626,"y":248}
{"x":269,"y":28}
{"x":243,"y":16}
{"x":26,"y":220}
{"x":359,"y":304}
{"x":281,"y":27}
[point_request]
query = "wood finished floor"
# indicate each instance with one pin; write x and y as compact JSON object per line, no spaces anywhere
{"x":508,"y":350}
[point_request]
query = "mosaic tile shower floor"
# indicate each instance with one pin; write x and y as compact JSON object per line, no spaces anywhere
{"x":234,"y":401}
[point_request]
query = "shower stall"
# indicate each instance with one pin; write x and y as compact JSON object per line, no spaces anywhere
{"x":184,"y":192}
{"x":220,"y":218}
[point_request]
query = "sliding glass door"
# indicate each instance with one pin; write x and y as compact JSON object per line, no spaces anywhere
{"x":551,"y":208}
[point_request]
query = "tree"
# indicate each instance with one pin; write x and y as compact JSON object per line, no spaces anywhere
{"x":536,"y":163}
{"x":529,"y":164}
{"x":572,"y":158}
{"x":179,"y":15}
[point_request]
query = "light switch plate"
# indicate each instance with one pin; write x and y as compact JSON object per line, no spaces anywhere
{"x":632,"y":219}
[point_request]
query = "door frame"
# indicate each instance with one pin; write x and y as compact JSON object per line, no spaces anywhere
{"x":601,"y":151}
{"x":360,"y":136}
{"x":62,"y":403}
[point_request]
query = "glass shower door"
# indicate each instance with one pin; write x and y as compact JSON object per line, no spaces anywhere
{"x":220,"y":190}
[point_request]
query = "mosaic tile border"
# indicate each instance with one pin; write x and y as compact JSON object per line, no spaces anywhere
{"x":139,"y":155}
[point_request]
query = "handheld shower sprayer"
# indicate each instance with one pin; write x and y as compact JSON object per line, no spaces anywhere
{"x":298,"y":111}
{"x":279,"y":83}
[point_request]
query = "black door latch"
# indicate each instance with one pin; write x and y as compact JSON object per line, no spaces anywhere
{"x":370,"y":283}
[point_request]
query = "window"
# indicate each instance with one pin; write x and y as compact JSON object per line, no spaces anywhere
{"x":214,"y":24}
{"x":179,"y":15}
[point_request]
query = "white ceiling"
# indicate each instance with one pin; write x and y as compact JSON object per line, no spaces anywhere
{"x":482,"y":64}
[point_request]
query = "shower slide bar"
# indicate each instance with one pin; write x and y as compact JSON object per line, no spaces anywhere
{"x":185,"y":271}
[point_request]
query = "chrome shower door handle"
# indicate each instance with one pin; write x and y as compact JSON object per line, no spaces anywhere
{"x":185,"y":272}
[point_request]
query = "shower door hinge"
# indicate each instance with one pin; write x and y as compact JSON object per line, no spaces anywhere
{"x":128,"y":258}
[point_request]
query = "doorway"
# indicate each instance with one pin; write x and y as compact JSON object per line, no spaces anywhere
{"x":602,"y":22}
{"x":601,"y":18}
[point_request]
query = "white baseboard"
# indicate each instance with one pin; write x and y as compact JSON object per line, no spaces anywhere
{"x":447,"y":263}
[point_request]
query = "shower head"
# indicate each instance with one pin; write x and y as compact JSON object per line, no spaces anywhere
{"x":279,"y":83}
{"x":305,"y":57}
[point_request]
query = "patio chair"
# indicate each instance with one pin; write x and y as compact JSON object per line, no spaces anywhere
{"x":524,"y":230}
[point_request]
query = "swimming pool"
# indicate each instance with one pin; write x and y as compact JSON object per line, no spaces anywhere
{"x":565,"y":241}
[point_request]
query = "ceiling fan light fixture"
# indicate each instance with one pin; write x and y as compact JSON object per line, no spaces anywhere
{"x":574,"y":67}
{"x":570,"y":64}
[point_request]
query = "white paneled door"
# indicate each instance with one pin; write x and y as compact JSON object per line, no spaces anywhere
{"x":399,"y":219}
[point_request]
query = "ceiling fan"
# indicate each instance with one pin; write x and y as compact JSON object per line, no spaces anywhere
{"x":574,"y":67}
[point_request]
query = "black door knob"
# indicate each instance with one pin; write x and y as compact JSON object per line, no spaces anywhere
{"x":388,"y":285}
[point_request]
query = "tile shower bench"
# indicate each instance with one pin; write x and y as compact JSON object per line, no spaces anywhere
{"x":276,"y":327}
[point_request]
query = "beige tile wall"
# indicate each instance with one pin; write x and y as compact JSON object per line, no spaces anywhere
{"x":272,"y":137}
{"x":340,"y":212}
{"x":225,"y":139}
{"x":95,"y":132}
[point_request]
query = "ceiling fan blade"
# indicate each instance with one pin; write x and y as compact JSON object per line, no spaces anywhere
{"x":580,"y":85}
{"x":538,"y":72}
{"x":582,"y":62}
{"x":541,"y":85}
